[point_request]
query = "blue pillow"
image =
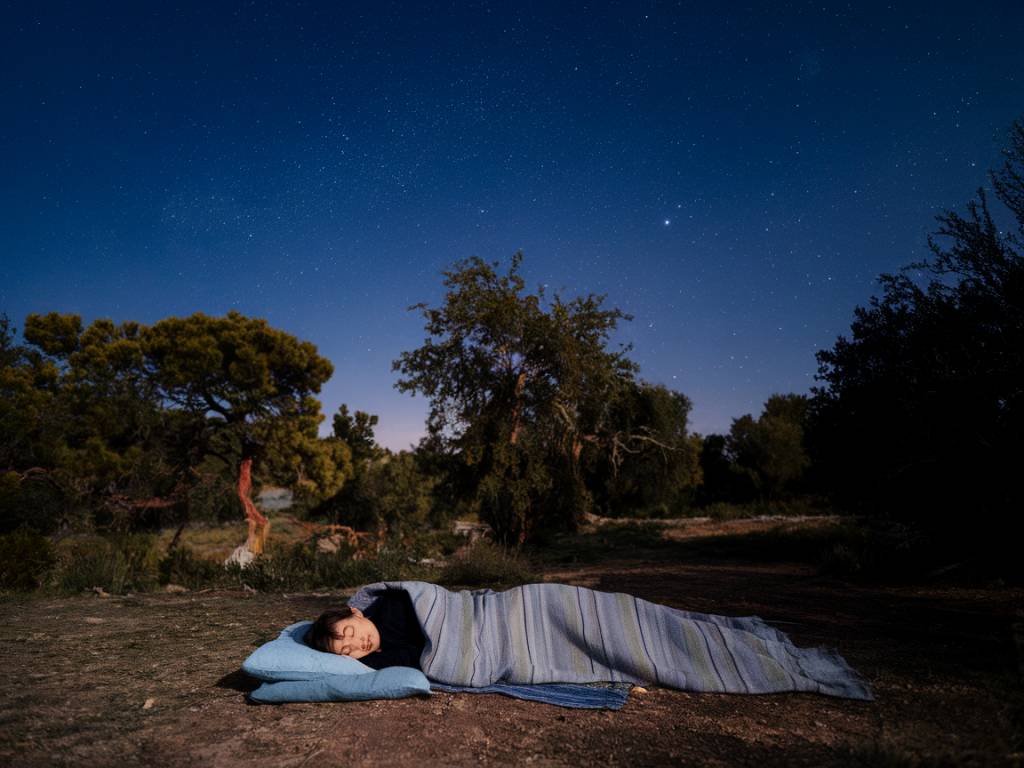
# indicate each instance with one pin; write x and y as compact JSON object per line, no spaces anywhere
{"x":387,"y":683}
{"x":289,"y":658}
{"x":292,"y":671}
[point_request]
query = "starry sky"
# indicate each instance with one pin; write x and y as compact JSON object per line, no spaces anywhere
{"x":733,"y":177}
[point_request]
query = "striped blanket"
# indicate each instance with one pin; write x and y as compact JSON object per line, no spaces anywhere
{"x":556,"y":633}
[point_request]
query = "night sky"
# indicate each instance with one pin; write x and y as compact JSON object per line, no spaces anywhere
{"x":735,"y":179}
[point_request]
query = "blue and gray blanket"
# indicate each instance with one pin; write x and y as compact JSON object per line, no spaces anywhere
{"x":556,"y":633}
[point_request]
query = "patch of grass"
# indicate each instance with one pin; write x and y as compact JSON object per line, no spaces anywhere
{"x":486,"y":564}
{"x":185,"y":568}
{"x":117,"y":564}
{"x":211,"y":542}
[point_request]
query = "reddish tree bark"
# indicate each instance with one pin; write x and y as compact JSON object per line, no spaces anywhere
{"x":259,"y":525}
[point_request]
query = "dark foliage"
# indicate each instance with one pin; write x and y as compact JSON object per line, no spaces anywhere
{"x":919,"y":416}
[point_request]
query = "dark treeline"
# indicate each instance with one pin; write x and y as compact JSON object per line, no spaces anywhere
{"x":534,"y":421}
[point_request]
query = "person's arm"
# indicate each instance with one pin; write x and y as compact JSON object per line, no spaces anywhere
{"x":395,"y":656}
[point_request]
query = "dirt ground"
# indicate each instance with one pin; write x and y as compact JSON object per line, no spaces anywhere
{"x":154,"y":678}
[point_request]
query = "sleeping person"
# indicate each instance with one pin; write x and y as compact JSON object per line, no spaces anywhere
{"x":536,"y":634}
{"x":387,"y":634}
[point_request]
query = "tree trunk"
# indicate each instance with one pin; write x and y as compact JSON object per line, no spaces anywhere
{"x":259,"y":525}
{"x":517,"y":407}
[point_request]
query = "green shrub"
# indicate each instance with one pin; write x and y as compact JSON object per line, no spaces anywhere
{"x":487,"y":564}
{"x":25,"y":560}
{"x":116,"y":564}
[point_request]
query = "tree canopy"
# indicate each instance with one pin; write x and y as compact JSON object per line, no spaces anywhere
{"x":113,"y":413}
{"x":518,"y":389}
{"x":769,"y":451}
{"x":919,"y":413}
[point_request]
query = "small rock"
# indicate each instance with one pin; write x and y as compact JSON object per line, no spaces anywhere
{"x":329,"y":544}
{"x":149,"y":704}
{"x":638,"y":690}
{"x":175,"y":588}
{"x":242,"y":555}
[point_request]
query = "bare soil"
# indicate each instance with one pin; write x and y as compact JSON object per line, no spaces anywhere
{"x":153,"y":678}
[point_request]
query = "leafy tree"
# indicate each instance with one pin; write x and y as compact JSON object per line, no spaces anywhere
{"x":390,"y":495}
{"x":919,"y":414}
{"x":293,"y":454}
{"x":28,"y":383}
{"x":127,"y":418}
{"x":105,"y":427}
{"x":30,"y":426}
{"x":517,"y":391}
{"x":356,"y":504}
{"x":720,"y":480}
{"x":403,"y":493}
{"x":658,"y":470}
{"x":357,"y":432}
{"x":769,"y":450}
{"x":253,"y":385}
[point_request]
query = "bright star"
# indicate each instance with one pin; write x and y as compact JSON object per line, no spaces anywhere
{"x":667,"y":222}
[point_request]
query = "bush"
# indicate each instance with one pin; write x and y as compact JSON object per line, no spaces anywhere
{"x":486,"y":564}
{"x":25,"y":560}
{"x":118,"y":564}
{"x":32,"y":503}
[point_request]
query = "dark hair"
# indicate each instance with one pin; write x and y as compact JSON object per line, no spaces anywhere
{"x":319,"y":635}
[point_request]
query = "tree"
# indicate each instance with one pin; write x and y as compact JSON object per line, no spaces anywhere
{"x":659,"y":476}
{"x":769,"y":450}
{"x":357,"y":432}
{"x":128,"y":420}
{"x":104,"y":425}
{"x":29,"y":436}
{"x":28,"y":382}
{"x":402,"y":493}
{"x":919,"y":414}
{"x":720,"y":480}
{"x":518,"y":390}
{"x":254,"y":386}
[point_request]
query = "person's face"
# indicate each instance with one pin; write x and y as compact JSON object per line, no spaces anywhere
{"x":355,"y":636}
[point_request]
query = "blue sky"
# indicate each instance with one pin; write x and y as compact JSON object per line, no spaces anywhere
{"x":734,"y":179}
